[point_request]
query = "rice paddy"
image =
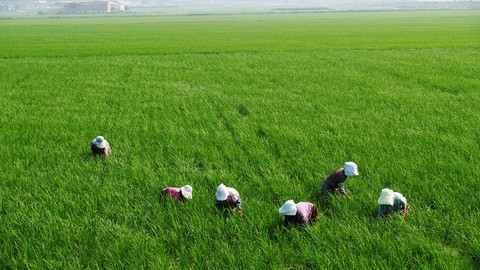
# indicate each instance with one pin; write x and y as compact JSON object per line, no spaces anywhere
{"x":268,"y":104}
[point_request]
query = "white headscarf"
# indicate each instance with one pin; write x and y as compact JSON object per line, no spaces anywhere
{"x":288,"y":209}
{"x":400,"y":197}
{"x":100,"y":142}
{"x":186,"y":191}
{"x":386,"y":197}
{"x":222,"y":193}
{"x":350,"y":168}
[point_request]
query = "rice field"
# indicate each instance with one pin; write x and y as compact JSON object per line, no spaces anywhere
{"x":269,"y":104}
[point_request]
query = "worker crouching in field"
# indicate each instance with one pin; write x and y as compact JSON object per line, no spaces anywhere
{"x":182,"y":194}
{"x":101,"y":147}
{"x":335,"y":181}
{"x":227,"y":198}
{"x":300,"y":213}
{"x":392,"y":202}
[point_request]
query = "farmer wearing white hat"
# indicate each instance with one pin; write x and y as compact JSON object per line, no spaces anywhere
{"x":184,"y":193}
{"x":100,"y":146}
{"x":228,"y":198}
{"x":300,"y":213}
{"x":390,"y":202}
{"x":335,"y":181}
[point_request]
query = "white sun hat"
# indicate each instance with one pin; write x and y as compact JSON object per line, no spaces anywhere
{"x":350,"y":168}
{"x":386,"y":197}
{"x":100,"y":142}
{"x":400,"y":197}
{"x":187,"y":191}
{"x":288,"y":209}
{"x":222,"y":193}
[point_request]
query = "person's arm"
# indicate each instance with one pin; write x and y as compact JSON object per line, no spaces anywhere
{"x":341,"y":189}
{"x":289,"y":221}
{"x":380,"y":211}
{"x":92,"y":148}
{"x":404,"y":210}
{"x":400,"y":203}
{"x":314,"y":214}
{"x":286,"y":222}
{"x":238,"y":205}
{"x":107,"y":150}
{"x":384,"y":210}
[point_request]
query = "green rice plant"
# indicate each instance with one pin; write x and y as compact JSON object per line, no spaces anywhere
{"x":268,"y":104}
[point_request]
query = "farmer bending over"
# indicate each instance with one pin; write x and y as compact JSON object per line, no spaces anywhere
{"x":100,"y":146}
{"x":228,"y":198}
{"x":300,"y":213}
{"x":392,"y":202}
{"x":182,"y":194}
{"x":335,"y":181}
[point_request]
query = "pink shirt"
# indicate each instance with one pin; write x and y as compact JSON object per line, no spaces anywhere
{"x":175,"y":193}
{"x":305,"y":211}
{"x":233,"y":194}
{"x":233,"y":199}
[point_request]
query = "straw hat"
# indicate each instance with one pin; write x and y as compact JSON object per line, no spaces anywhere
{"x":187,"y":191}
{"x":350,"y":168}
{"x":288,"y":209}
{"x":386,"y":197}
{"x":222,"y":193}
{"x":100,"y":142}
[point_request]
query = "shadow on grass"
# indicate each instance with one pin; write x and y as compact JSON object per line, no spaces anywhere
{"x":324,"y":203}
{"x":475,"y":258}
{"x":280,"y":232}
{"x":229,"y":213}
{"x":373,"y":215}
{"x":276,"y":230}
{"x":87,"y":156}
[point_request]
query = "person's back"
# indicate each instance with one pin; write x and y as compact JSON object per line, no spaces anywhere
{"x":228,"y":198}
{"x":184,"y":193}
{"x":173,"y":192}
{"x":335,"y":181}
{"x":300,"y":213}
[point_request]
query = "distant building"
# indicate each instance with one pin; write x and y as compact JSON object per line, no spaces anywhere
{"x":93,"y":7}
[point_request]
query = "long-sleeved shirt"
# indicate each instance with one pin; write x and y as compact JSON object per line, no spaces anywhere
{"x":336,"y":180}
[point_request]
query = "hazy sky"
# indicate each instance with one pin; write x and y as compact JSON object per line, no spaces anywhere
{"x":264,"y":4}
